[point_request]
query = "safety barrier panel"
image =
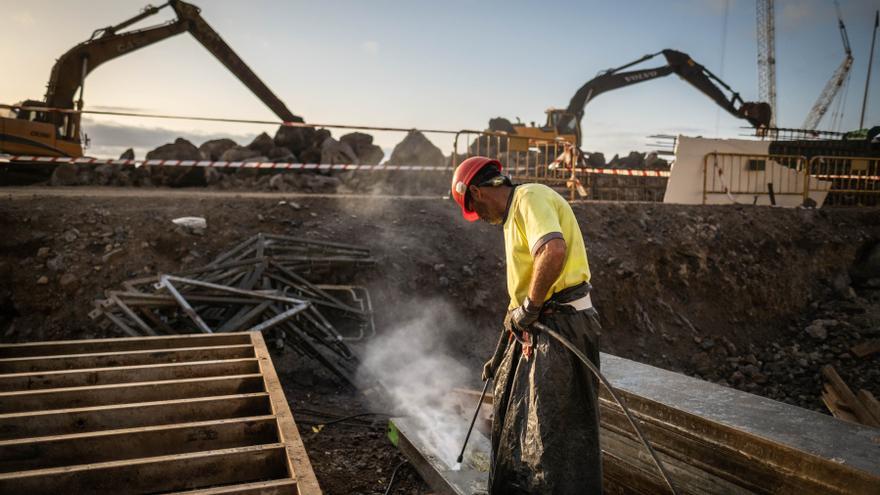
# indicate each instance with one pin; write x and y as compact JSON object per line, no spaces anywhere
{"x":854,"y":181}
{"x":760,"y":179}
{"x":549,"y":161}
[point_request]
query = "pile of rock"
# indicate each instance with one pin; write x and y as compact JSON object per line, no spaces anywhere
{"x":290,"y":144}
{"x":789,"y":370}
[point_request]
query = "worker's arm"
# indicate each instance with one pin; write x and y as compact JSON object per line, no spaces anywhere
{"x":549,"y":260}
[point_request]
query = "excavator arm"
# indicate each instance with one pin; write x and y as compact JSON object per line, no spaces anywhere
{"x":758,"y":114}
{"x":69,"y":73}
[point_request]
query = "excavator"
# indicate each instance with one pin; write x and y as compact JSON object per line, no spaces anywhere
{"x":565,"y":124}
{"x":52,"y":127}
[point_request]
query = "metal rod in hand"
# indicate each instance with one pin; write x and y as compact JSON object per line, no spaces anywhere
{"x":474,"y":420}
{"x":583,"y":357}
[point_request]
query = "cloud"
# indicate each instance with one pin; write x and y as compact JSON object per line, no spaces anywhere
{"x":110,"y":139}
{"x":23,"y":18}
{"x":112,"y":108}
{"x":370,"y":47}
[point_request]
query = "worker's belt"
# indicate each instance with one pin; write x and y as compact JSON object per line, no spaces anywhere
{"x":575,"y":298}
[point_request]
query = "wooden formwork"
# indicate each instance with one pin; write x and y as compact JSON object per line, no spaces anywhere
{"x":201,"y":414}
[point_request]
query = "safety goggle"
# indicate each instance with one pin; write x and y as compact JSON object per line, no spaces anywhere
{"x":493,"y":182}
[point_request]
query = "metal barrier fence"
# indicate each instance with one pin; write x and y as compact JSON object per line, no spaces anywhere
{"x":548,"y":161}
{"x":791,"y":180}
{"x":854,"y":180}
{"x":750,"y":178}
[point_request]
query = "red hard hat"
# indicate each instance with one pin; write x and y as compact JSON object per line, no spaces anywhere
{"x":466,"y":171}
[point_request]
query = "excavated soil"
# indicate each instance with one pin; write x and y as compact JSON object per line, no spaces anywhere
{"x":732,"y":294}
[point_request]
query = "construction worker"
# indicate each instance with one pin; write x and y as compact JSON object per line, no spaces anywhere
{"x":545,"y":429}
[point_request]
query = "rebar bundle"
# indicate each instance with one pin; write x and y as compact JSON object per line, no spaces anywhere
{"x":262,"y":284}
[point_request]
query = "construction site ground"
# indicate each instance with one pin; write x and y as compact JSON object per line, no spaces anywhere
{"x":756,"y":298}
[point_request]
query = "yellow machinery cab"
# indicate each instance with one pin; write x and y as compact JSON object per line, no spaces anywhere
{"x":32,"y":132}
{"x":560,"y":125}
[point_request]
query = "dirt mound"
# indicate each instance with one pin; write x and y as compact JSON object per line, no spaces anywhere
{"x":736,"y":294}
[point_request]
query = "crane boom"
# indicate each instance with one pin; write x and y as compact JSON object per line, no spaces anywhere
{"x":766,"y":27}
{"x":838,"y":79}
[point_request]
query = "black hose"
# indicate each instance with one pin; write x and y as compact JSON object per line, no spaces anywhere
{"x":393,"y":474}
{"x":577,"y":352}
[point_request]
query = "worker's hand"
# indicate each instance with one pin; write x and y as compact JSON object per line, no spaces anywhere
{"x":524,"y":316}
{"x":488,"y":370}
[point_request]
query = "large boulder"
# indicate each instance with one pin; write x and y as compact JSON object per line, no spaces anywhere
{"x":239,"y":154}
{"x":214,"y":149}
{"x":281,"y":155}
{"x":500,"y":124}
{"x":596,"y":159}
{"x":634,"y":160}
{"x":333,"y":151}
{"x":312,"y":153}
{"x":262,"y":143}
{"x":416,"y":149}
{"x":127,"y":155}
{"x":180,"y":149}
{"x":64,"y":174}
{"x":362,"y":144}
{"x":296,"y":139}
{"x":654,"y":162}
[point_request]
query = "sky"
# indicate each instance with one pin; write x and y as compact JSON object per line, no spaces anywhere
{"x":442,"y":65}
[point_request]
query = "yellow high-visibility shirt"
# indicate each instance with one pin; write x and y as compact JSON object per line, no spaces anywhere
{"x":536,"y":215}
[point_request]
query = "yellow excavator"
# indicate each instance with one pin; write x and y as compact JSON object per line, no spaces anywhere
{"x":565,"y":124}
{"x":52,"y":127}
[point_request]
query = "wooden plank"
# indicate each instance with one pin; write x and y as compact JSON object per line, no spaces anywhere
{"x":79,"y":420}
{"x":154,"y":474}
{"x":151,"y":441}
{"x":275,"y":487}
{"x":122,"y":393}
{"x":298,"y":460}
{"x":32,"y":364}
{"x":870,"y":403}
{"x":120,"y":344}
{"x":837,"y":408}
{"x":866,"y":348}
{"x":126,"y":374}
{"x":847,"y":396}
{"x":681,"y":471}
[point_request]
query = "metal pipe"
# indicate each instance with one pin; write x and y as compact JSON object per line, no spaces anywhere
{"x":473,"y":421}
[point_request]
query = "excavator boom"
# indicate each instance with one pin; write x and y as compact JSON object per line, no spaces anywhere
{"x":212,"y":41}
{"x":757,"y":113}
{"x":70,"y":71}
{"x":53,"y":133}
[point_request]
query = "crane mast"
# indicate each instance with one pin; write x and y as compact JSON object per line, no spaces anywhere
{"x":766,"y":24}
{"x":838,"y":79}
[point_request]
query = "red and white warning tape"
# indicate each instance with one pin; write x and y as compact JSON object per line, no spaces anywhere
{"x":286,"y":166}
{"x":626,"y":171}
{"x":217,"y":164}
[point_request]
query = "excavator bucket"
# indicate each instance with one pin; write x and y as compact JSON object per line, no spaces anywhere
{"x":757,"y":113}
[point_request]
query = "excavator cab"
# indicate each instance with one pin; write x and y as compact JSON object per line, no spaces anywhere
{"x":561,"y":121}
{"x":24,"y":131}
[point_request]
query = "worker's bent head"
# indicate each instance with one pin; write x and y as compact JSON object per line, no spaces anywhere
{"x":477,"y":188}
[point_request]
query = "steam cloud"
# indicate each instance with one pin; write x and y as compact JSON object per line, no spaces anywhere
{"x":411,"y":362}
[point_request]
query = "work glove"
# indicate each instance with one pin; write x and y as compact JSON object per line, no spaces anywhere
{"x":488,"y":370}
{"x":524,"y":316}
